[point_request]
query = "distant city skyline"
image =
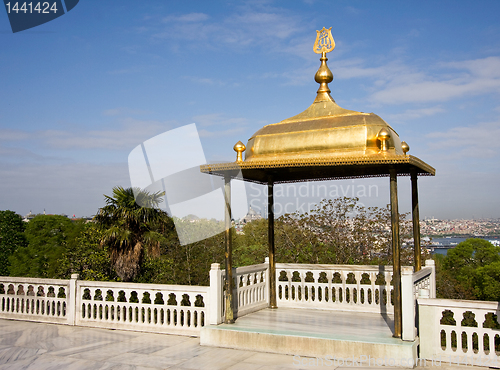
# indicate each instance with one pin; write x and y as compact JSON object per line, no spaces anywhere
{"x":80,"y":92}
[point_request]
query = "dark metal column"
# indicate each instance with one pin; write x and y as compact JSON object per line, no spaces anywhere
{"x":229,"y":313}
{"x":396,"y":258}
{"x":270,"y":238}
{"x":416,"y":221}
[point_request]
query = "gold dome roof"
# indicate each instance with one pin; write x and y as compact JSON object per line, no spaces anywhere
{"x":323,"y":142}
{"x":323,"y":129}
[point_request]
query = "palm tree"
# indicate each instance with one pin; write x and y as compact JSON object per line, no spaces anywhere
{"x":132,"y":224}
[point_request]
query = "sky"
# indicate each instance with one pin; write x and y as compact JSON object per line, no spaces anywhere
{"x":79,"y":93}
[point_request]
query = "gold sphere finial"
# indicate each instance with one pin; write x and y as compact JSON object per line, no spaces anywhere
{"x":239,"y":148}
{"x":405,"y":147}
{"x":383,"y":135}
{"x":323,"y":75}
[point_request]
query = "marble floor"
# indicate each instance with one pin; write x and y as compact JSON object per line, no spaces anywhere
{"x":341,"y":325}
{"x":28,"y":345}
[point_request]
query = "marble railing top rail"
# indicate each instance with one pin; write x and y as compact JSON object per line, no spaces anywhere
{"x":419,"y":275}
{"x":310,"y":267}
{"x":252,"y":268}
{"x":460,"y":303}
{"x":142,"y":286}
{"x":247,"y":269}
{"x":28,"y":280}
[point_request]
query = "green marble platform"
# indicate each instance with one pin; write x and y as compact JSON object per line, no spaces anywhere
{"x":338,"y":334}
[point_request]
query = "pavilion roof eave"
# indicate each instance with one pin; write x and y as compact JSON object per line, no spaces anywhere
{"x":319,"y":169}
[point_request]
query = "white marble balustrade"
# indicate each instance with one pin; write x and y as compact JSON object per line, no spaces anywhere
{"x":174,"y":309}
{"x":179,"y":309}
{"x":335,"y":287}
{"x":411,"y":284}
{"x":425,"y":279}
{"x":460,"y":331}
{"x":250,"y":288}
{"x":31,"y":299}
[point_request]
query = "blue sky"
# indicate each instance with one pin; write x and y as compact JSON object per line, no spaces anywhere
{"x":77,"y":94}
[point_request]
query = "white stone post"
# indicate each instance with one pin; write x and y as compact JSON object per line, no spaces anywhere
{"x":72,"y":299}
{"x":215,"y":296}
{"x":408,"y":302}
{"x":432,"y":287}
{"x":428,"y":327}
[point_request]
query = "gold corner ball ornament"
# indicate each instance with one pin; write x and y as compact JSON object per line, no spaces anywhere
{"x":383,"y":135}
{"x":405,"y":147}
{"x":324,"y":41}
{"x":239,"y":148}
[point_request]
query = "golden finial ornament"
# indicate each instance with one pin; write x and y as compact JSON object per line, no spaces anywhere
{"x":324,"y":44}
{"x":239,"y":148}
{"x":383,"y":135}
{"x":324,"y":41}
{"x":405,"y":147}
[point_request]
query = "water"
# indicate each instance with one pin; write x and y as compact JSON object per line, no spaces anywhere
{"x":452,"y":242}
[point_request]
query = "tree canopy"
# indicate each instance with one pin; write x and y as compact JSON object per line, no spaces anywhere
{"x":471,"y":270}
{"x":130,"y":226}
{"x":48,"y":238}
{"x":11,"y":238}
{"x":132,"y":242}
{"x":338,"y":231}
{"x":86,"y":257}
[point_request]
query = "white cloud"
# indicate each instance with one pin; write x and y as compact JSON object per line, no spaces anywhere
{"x":111,"y":112}
{"x":477,"y":141}
{"x":219,"y":119}
{"x":13,"y":135}
{"x":465,"y":78}
{"x":431,"y":91}
{"x":123,"y":111}
{"x":415,"y":113}
{"x":228,"y":132}
{"x":189,"y":17}
{"x":271,"y":27}
{"x":397,"y":82}
{"x":129,"y":133}
{"x":72,"y":188}
{"x":487,"y":67}
{"x":207,"y":81}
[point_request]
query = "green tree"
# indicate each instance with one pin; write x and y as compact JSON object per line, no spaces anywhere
{"x":447,"y":286}
{"x":11,"y":238}
{"x":192,"y":262}
{"x":48,"y":238}
{"x":338,"y":231}
{"x":471,"y":270}
{"x":86,"y":257}
{"x":157,"y":270}
{"x":251,"y":246}
{"x":131,"y":224}
{"x":487,"y":282}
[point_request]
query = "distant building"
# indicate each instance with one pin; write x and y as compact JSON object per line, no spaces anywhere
{"x":28,"y":217}
{"x":191,"y":218}
{"x":31,"y":216}
{"x":251,"y":216}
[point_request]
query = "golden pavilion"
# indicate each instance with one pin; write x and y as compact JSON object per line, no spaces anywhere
{"x":324,"y":142}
